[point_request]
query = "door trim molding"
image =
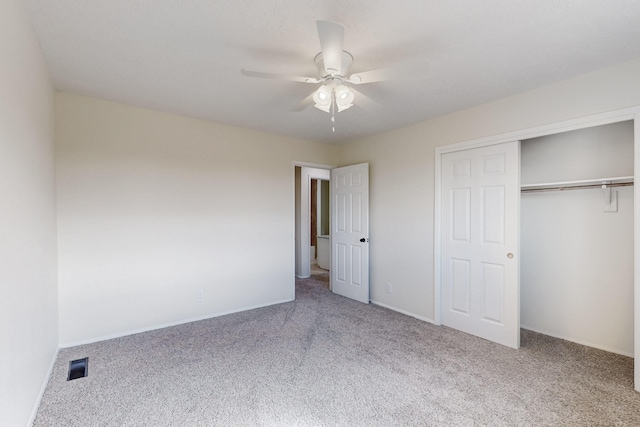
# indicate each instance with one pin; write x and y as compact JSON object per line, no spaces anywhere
{"x":632,"y":113}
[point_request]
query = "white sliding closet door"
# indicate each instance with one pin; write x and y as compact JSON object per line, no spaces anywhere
{"x":480,"y":242}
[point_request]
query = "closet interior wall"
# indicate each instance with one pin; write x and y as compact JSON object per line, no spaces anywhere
{"x":577,"y":259}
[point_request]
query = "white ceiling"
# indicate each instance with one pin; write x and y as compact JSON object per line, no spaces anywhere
{"x":185,"y":57}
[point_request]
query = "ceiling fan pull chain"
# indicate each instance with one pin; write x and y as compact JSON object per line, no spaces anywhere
{"x":333,"y":112}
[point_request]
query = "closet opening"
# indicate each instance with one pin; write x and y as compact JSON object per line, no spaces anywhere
{"x":577,"y":236}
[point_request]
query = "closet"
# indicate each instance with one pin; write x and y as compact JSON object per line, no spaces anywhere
{"x":577,"y":236}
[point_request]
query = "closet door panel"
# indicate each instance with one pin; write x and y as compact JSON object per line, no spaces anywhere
{"x":480,"y":238}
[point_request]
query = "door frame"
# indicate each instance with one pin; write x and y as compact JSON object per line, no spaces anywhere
{"x":627,"y":114}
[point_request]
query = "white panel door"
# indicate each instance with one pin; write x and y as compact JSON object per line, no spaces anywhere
{"x":480,"y":242}
{"x":350,"y":232}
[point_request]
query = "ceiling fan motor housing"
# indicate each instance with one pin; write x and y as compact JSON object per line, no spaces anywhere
{"x":347,"y":60}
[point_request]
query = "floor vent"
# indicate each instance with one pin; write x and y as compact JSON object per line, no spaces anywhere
{"x":78,"y":369}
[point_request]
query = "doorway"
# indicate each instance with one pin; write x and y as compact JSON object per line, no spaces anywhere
{"x":319,"y":232}
{"x":349,"y":227}
{"x":308,"y":209}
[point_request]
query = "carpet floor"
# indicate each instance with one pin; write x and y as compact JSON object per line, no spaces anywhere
{"x":324,"y":360}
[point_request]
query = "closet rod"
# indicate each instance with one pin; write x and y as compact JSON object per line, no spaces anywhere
{"x":577,"y":187}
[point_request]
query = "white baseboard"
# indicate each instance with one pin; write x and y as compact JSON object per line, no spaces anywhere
{"x":407,"y":313}
{"x":34,"y":412}
{"x":585,"y":343}
{"x":167,"y":325}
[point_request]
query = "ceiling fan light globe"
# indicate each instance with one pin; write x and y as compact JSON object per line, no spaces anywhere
{"x":322,"y":98}
{"x":344,"y":97}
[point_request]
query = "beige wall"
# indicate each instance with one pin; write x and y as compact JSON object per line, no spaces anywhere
{"x":156,"y":210}
{"x":28,"y":283}
{"x":402,"y":172}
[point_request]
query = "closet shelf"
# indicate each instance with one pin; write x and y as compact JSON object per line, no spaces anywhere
{"x":618,"y":181}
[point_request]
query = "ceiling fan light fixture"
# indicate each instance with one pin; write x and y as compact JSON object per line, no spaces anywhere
{"x":344,"y":97}
{"x":325,"y":108}
{"x":322,"y":98}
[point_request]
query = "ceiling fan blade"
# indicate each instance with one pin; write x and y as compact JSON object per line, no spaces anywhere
{"x":412,"y":70}
{"x":302,"y":105}
{"x":363,"y":100}
{"x":262,"y":75}
{"x":379,"y":75}
{"x":331,"y":41}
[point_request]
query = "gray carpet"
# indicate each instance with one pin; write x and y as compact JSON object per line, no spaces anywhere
{"x":324,"y":360}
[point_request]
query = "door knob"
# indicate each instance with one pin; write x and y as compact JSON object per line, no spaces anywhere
{"x":363,"y":240}
{"x":509,"y":255}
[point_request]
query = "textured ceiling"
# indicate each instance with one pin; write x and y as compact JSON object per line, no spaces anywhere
{"x":185,"y":57}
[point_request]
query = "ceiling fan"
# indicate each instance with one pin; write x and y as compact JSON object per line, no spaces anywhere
{"x":333,"y":65}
